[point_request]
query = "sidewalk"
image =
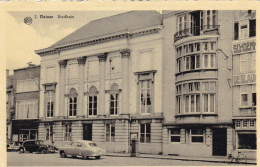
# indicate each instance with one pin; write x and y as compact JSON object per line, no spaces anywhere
{"x":215,"y":159}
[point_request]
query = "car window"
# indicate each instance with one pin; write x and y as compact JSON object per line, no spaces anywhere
{"x":76,"y":144}
{"x":92,"y":144}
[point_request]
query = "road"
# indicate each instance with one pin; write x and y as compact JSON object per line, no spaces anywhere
{"x":26,"y":159}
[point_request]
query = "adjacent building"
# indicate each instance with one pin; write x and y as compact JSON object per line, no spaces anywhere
{"x":9,"y":105}
{"x":200,"y":80}
{"x":244,"y":82}
{"x":26,"y":91}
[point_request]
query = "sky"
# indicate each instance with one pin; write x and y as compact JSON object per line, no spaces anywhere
{"x":24,"y":39}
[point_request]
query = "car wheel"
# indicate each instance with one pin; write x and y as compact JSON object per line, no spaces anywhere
{"x":43,"y":151}
{"x":62,"y":154}
{"x":86,"y":157}
{"x":21,"y":150}
{"x":97,"y":157}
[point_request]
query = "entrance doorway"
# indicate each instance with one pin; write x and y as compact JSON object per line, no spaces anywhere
{"x":87,"y":132}
{"x":219,"y":141}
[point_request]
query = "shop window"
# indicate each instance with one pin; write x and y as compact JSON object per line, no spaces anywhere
{"x":110,"y":132}
{"x":244,"y":123}
{"x":252,"y":123}
{"x":145,"y":133}
{"x":238,"y":123}
{"x":146,"y":91}
{"x":246,"y":140}
{"x":197,"y":135}
{"x":67,"y":132}
{"x":209,"y":103}
{"x":49,"y":133}
{"x":50,"y":103}
{"x":175,"y":135}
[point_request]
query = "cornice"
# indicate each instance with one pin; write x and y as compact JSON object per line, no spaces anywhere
{"x":128,"y":35}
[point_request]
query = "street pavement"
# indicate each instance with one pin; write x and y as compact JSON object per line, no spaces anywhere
{"x":32,"y":159}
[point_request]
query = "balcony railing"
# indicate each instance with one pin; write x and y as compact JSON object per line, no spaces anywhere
{"x":196,"y":31}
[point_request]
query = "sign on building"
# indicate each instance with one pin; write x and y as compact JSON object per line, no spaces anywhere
{"x":244,"y":46}
{"x":243,"y":79}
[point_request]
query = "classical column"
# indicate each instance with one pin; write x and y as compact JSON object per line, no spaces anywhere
{"x":125,"y":54}
{"x":80,"y":104}
{"x":62,"y":80}
{"x":102,"y":74}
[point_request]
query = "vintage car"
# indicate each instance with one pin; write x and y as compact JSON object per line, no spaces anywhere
{"x":33,"y":146}
{"x":13,"y":146}
{"x":82,"y":148}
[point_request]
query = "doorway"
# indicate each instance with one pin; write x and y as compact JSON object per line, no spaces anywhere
{"x":219,"y":141}
{"x":87,"y":132}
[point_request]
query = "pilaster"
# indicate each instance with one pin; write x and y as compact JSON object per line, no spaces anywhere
{"x":102,"y":63}
{"x":61,"y":112}
{"x":125,"y":54}
{"x":80,"y":104}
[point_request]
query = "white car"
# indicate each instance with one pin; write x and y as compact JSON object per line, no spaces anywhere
{"x":82,"y":148}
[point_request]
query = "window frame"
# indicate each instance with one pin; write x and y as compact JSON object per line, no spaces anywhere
{"x":115,"y":107}
{"x":73,"y":111}
{"x":197,"y":135}
{"x":242,"y":92}
{"x":174,"y":135}
{"x":49,"y":133}
{"x":145,"y":133}
{"x":50,"y":99}
{"x":146,"y":89}
{"x":109,"y":135}
{"x":93,"y":104}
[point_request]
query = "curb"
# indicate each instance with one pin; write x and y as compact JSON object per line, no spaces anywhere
{"x":181,"y":159}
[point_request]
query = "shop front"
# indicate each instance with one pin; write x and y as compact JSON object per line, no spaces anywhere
{"x":25,"y":130}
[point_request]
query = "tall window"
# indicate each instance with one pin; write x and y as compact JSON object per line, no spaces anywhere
{"x":72,"y":102}
{"x":145,"y":133}
{"x":27,"y":85}
{"x":50,"y":103}
{"x":197,"y":135}
{"x":114,"y":100}
{"x":67,"y":132}
{"x":179,"y":104}
{"x":211,"y":19}
{"x":146,"y":90}
{"x":49,"y":133}
{"x":114,"y":104}
{"x":175,"y":135}
{"x":110,"y":132}
{"x":92,"y":101}
{"x":192,"y":103}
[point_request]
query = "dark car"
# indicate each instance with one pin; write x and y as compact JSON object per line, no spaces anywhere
{"x":33,"y":146}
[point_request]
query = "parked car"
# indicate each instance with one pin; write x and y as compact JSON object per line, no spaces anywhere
{"x":33,"y":146}
{"x":13,"y":146}
{"x":82,"y":148}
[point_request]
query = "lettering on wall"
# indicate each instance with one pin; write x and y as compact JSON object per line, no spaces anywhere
{"x":243,"y":47}
{"x":243,"y":79}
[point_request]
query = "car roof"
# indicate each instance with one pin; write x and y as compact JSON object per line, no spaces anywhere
{"x":84,"y":141}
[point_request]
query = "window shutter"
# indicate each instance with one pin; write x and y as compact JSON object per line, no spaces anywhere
{"x":236,"y":32}
{"x":252,"y":28}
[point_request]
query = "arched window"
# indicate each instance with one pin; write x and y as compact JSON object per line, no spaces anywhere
{"x":92,"y":101}
{"x":114,"y":98}
{"x":73,"y":102}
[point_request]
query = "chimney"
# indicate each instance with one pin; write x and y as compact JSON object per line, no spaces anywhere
{"x":7,"y":72}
